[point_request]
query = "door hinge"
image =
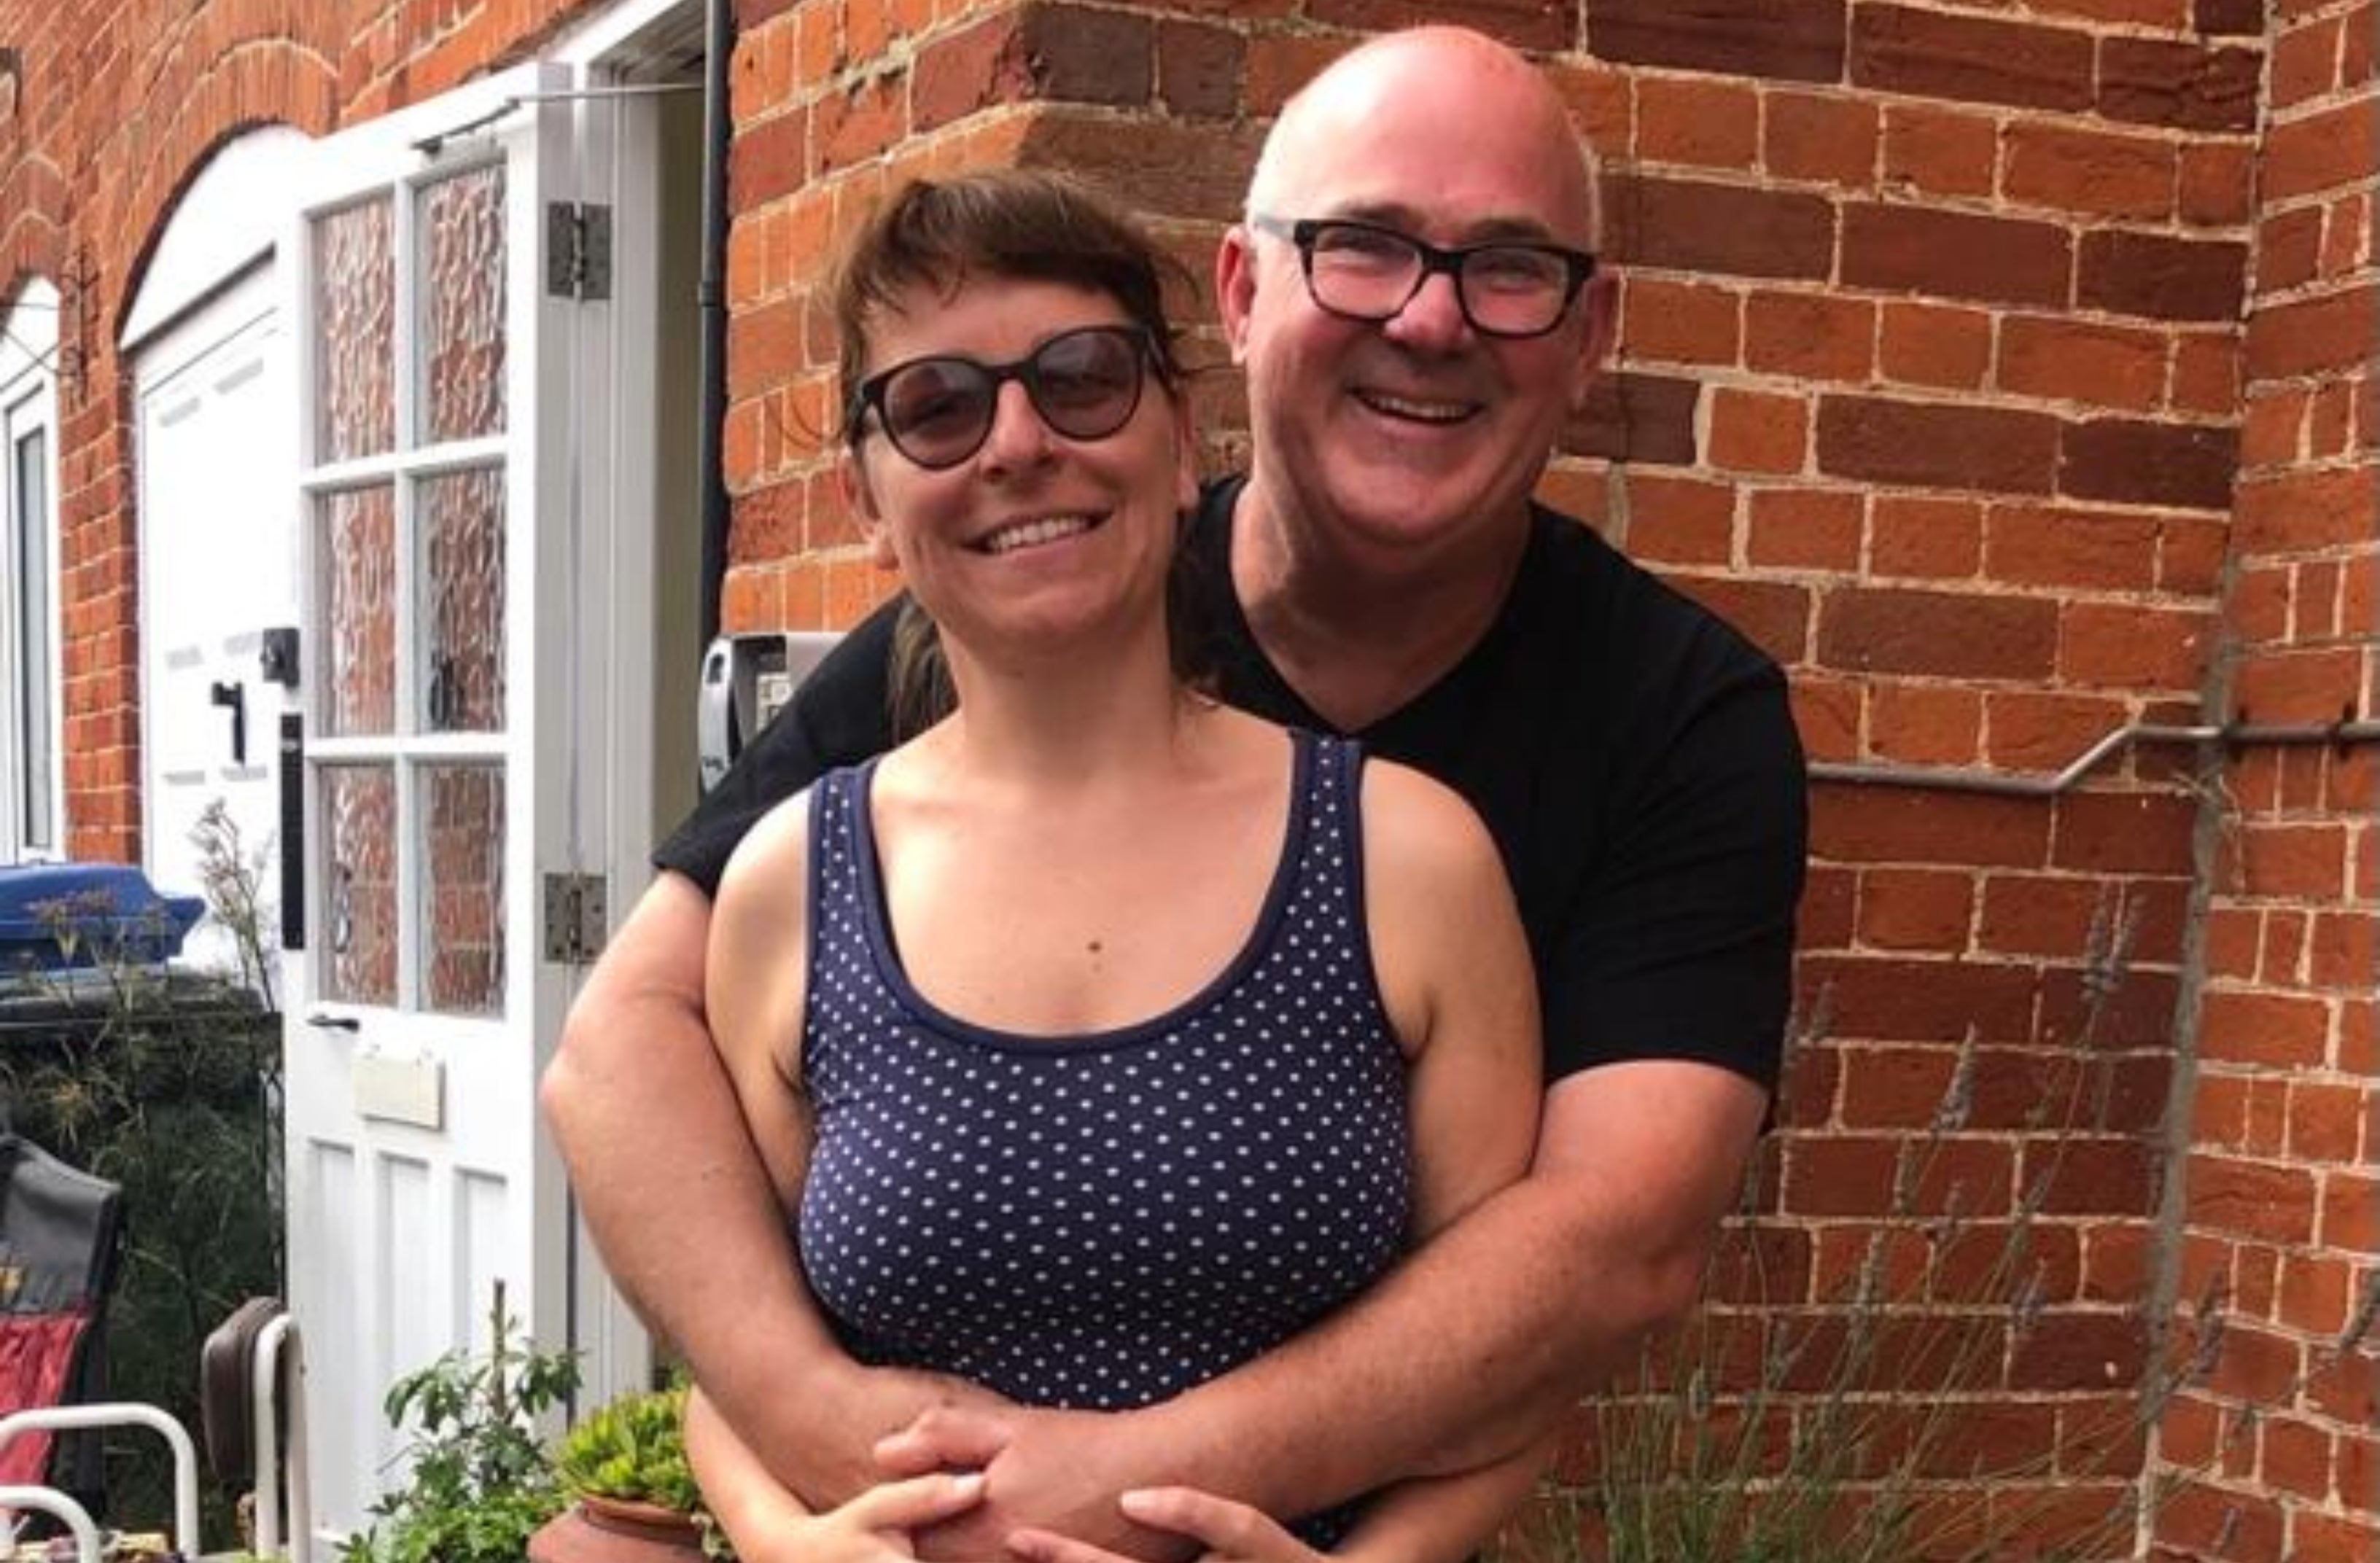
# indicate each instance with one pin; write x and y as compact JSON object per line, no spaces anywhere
{"x":576,"y":917}
{"x":577,"y":250}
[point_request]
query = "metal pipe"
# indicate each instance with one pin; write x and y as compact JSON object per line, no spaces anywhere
{"x":711,"y":295}
{"x":1951,"y":778}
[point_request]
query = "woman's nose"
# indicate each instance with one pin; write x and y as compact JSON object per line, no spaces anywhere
{"x":1017,"y":437}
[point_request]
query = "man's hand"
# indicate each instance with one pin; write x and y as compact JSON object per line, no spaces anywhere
{"x":1231,"y":1533}
{"x":1053,"y":1472}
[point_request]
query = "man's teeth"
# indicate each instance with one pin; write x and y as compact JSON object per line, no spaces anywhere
{"x":1048,"y":528}
{"x":1428,"y":412}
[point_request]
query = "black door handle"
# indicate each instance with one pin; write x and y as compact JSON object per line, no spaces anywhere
{"x":233,"y":695}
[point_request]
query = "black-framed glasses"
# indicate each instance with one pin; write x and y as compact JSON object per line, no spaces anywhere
{"x":1363,"y":272}
{"x":938,"y":411}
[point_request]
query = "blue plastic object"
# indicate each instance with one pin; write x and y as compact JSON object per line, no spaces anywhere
{"x":54,"y":916}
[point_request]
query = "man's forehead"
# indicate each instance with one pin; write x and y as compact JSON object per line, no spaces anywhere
{"x":1443,"y":221}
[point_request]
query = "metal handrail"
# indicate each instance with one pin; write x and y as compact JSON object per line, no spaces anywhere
{"x":1954,"y":779}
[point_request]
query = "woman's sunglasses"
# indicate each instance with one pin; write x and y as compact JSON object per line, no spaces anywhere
{"x":938,"y":411}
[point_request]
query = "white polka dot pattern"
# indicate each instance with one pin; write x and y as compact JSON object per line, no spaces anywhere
{"x":1103,"y":1221}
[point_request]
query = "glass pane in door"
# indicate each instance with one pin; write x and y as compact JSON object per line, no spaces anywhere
{"x":355,"y":589}
{"x":359,"y":815}
{"x":462,"y":294}
{"x":463,"y":889}
{"x":32,"y":648}
{"x":460,"y":590}
{"x":355,"y":330}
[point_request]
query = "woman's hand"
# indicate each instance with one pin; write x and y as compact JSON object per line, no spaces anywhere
{"x":872,"y":1528}
{"x":1226,"y":1532}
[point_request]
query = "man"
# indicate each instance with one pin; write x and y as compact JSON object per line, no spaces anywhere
{"x":1414,"y":311}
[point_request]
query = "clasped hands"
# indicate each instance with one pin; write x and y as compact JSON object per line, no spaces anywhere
{"x":1000,"y":1483}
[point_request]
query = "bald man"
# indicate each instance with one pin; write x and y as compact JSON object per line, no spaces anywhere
{"x":1412,"y":295}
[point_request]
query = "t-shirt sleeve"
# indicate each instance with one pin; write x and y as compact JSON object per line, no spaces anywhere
{"x":1681,"y":943}
{"x":839,"y":716}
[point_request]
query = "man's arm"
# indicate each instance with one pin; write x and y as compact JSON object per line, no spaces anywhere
{"x":1477,"y":1345}
{"x":682,"y":1207}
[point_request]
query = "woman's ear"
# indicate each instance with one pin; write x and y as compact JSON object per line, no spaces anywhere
{"x":851,"y":477}
{"x":1185,"y":449}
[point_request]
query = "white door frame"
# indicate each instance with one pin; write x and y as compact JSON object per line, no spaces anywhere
{"x":28,"y":405}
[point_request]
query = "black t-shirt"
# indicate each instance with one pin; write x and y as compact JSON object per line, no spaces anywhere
{"x":1634,"y":757}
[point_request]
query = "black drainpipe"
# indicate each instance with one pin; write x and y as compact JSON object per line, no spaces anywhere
{"x":710,"y":295}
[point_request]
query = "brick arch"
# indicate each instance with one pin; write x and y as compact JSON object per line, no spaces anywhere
{"x":33,"y":238}
{"x":155,"y":211}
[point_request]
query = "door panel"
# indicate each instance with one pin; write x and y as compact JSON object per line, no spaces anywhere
{"x":441,"y":603}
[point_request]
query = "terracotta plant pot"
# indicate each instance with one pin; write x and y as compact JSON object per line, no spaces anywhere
{"x":601,"y":1530}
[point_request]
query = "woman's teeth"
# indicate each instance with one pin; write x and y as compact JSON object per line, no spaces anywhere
{"x":1027,"y":534}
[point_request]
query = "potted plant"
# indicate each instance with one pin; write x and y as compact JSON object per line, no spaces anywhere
{"x":634,"y":1498}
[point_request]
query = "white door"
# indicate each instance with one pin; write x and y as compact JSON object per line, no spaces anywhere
{"x":218,"y":571}
{"x":442,"y":561}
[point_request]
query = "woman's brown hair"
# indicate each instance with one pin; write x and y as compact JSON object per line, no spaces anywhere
{"x":1014,"y":225}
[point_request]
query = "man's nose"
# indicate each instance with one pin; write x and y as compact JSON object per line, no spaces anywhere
{"x":1433,"y":318}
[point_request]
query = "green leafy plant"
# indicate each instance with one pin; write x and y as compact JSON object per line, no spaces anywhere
{"x":479,"y":1482}
{"x":633,"y":1448}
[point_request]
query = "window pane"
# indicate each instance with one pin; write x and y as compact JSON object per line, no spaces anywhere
{"x":356,"y":584}
{"x":463,"y":889}
{"x":462,"y":292}
{"x":33,"y":562}
{"x":460,"y":589}
{"x":355,"y":331}
{"x":359,"y":814}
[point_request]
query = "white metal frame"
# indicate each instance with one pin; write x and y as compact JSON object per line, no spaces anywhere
{"x":28,"y":405}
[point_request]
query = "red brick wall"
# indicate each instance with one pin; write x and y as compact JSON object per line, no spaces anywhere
{"x":2278,"y":1205}
{"x":1944,"y":327}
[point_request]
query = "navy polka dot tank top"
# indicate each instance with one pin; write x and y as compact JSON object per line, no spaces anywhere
{"x":1102,"y":1221}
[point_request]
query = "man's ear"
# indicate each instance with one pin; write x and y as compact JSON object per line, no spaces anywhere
{"x":851,"y":477}
{"x":1599,"y":309}
{"x":1235,"y":286}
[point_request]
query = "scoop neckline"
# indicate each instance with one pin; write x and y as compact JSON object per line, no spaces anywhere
{"x":882,"y":946}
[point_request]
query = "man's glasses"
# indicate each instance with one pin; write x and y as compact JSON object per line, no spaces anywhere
{"x":1363,"y":272}
{"x":938,"y":411}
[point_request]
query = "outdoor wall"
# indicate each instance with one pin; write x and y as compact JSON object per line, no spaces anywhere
{"x":2277,"y":1203}
{"x":1946,"y":329}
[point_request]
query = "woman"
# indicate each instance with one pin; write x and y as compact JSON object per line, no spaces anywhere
{"x":1131,"y":1034}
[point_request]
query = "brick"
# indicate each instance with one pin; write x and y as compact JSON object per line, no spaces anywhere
{"x":1926,"y":444}
{"x":2056,"y":546}
{"x":2081,"y":1351}
{"x":2316,"y":1537}
{"x":2206,"y":375}
{"x":1813,"y":336}
{"x":2108,"y":647}
{"x":1956,"y":255}
{"x":1934,"y":344}
{"x":1199,"y":68}
{"x":1820,"y":138}
{"x":2036,"y":915}
{"x":2325,"y":1121}
{"x":856,"y":123}
{"x":1926,"y":539}
{"x":1729,"y":230}
{"x":1742,"y":38}
{"x":1680,"y":520}
{"x":2066,"y":359}
{"x":2079,"y":1174}
{"x":2327,"y":334}
{"x":1937,"y":152}
{"x":2160,"y":277}
{"x":1936,"y":633}
{"x":2304,"y":63}
{"x":1871,"y":825}
{"x":1689,"y":120}
{"x":2123,"y":833}
{"x":2208,"y":1522}
{"x":1638,"y":419}
{"x":2263,"y":1028}
{"x":1827,"y":713}
{"x":2289,"y":248}
{"x":2311,"y":685}
{"x":1924,"y":725}
{"x":1682,"y":322}
{"x":2045,"y":731}
{"x":2188,"y":465}
{"x":1524,"y":24}
{"x":2249,"y":1199}
{"x":2323,"y":151}
{"x":2295,"y":511}
{"x":1927,"y":53}
{"x":2217,"y":184}
{"x":1804,"y":530}
{"x":1916,"y":910}
{"x":1854,"y":1177}
{"x":1162,"y":169}
{"x":2089,"y":173}
{"x":2179,"y":85}
{"x":768,"y":160}
{"x":2296,"y":862}
{"x":1758,"y":432}
{"x":2238,"y":19}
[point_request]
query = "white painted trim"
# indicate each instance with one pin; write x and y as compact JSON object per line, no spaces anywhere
{"x":610,"y":39}
{"x":223,"y":224}
{"x":29,"y":340}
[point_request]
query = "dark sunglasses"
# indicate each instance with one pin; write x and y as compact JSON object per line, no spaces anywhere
{"x":1084,"y":383}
